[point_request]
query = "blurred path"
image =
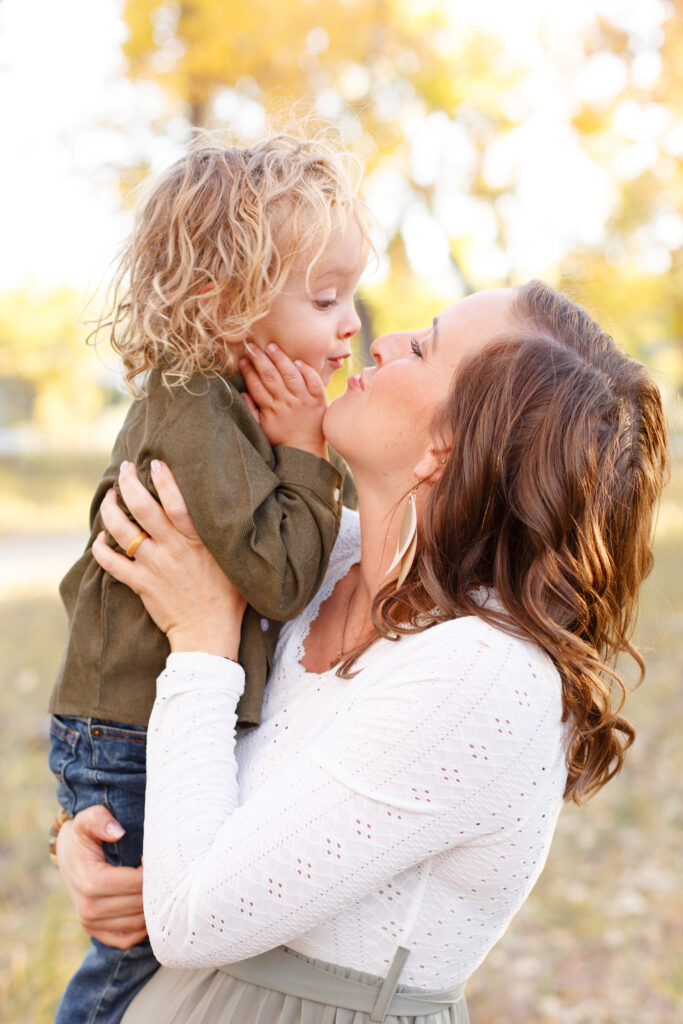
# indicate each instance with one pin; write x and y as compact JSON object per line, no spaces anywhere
{"x":31,"y":563}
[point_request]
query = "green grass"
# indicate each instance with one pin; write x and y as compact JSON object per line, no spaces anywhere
{"x":41,"y":941}
{"x":598,"y":941}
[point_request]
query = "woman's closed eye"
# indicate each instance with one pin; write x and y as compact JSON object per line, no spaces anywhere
{"x":415,"y":347}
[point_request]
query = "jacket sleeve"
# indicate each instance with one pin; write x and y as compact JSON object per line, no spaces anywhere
{"x":269,"y":516}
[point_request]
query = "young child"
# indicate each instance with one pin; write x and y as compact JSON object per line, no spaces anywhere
{"x":231,"y":249}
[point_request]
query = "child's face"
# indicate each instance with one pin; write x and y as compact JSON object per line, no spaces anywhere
{"x":316,"y":323}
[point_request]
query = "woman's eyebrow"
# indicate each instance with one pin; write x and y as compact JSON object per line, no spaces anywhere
{"x":435,"y":334}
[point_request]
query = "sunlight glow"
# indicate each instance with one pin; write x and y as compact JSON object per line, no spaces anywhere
{"x":70,"y":120}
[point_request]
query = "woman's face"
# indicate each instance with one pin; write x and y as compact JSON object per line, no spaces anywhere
{"x":382,"y":421}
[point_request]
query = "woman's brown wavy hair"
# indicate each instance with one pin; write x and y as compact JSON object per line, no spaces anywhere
{"x":556,"y":454}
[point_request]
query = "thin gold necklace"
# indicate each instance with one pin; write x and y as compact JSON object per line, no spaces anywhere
{"x":345,"y":626}
{"x":346,"y":622}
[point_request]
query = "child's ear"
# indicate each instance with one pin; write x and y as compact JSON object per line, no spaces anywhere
{"x":432,"y":464}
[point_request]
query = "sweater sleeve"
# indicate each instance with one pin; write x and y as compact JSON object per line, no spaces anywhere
{"x":269,"y":516}
{"x":438,"y":751}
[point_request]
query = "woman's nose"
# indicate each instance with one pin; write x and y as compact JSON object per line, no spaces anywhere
{"x":390,"y":347}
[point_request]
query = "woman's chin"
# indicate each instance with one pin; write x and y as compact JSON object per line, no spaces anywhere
{"x":333,"y":428}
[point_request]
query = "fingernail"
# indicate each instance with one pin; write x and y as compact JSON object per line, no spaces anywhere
{"x":114,"y":830}
{"x":155,"y":466}
{"x":272,"y":347}
{"x":124,"y":465}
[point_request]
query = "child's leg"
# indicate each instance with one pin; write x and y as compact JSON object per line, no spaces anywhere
{"x":99,"y":762}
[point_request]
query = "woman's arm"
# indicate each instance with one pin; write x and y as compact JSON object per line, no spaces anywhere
{"x":200,"y":610}
{"x":433,"y":754}
{"x":414,"y":768}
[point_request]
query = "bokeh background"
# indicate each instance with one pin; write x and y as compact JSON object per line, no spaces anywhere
{"x":500,"y":141}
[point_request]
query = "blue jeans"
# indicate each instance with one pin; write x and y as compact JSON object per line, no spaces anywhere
{"x":98,"y":762}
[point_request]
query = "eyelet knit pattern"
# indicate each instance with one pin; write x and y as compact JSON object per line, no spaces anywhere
{"x":411,"y":805}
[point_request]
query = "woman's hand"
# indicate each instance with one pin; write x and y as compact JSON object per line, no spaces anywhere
{"x":108,"y":900}
{"x":287,"y":399}
{"x":179,"y":581}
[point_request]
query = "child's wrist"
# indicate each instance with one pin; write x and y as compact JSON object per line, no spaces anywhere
{"x":317,"y":448}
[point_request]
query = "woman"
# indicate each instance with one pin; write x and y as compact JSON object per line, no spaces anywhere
{"x":397,"y":803}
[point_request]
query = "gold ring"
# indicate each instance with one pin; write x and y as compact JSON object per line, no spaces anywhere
{"x":135,"y":544}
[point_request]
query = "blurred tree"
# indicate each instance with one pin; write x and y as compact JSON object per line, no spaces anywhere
{"x":378,"y":68}
{"x":439,"y":108}
{"x":44,"y":361}
{"x":637,"y":134}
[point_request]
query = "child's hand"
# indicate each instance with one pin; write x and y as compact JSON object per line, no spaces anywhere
{"x":287,"y":399}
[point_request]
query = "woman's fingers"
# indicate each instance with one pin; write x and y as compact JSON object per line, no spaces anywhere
{"x":142,"y":506}
{"x":123,"y":939}
{"x":117,"y":522}
{"x":108,"y":899}
{"x":119,"y":566}
{"x":98,"y":908}
{"x":172,"y":500}
{"x":148,"y":513}
{"x":120,"y":939}
{"x":114,"y":913}
{"x":88,"y":830}
{"x":94,"y":825}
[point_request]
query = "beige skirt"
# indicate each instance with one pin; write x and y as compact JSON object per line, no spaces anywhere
{"x":284,"y":987}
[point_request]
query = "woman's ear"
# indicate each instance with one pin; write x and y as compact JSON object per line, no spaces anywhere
{"x":431,"y":465}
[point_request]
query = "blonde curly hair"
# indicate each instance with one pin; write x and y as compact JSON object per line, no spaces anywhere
{"x":214,"y":238}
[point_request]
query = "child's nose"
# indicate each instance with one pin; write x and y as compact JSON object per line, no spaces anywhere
{"x":351,"y":324}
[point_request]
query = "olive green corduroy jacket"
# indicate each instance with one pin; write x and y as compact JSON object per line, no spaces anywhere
{"x":269,"y":515}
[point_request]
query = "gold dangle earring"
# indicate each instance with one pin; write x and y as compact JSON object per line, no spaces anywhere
{"x":407,"y":539}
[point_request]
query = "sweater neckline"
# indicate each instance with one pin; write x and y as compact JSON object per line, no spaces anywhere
{"x":345,"y":558}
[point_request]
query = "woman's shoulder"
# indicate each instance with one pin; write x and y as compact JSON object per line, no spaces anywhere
{"x":471,"y":637}
{"x":470,"y":662}
{"x":462,"y":690}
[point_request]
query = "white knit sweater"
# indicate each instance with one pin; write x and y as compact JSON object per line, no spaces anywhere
{"x":412,"y":805}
